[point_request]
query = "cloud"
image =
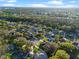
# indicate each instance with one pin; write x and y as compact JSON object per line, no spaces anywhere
{"x":73,"y":1}
{"x":53,"y":6}
{"x":42,"y":5}
{"x":55,"y":2}
{"x":9,"y":5}
{"x":70,"y":6}
{"x":65,"y":6}
{"x":36,"y":5}
{"x":49,"y":3}
{"x":11,"y":0}
{"x":61,"y":4}
{"x":8,"y":0}
{"x":12,"y":5}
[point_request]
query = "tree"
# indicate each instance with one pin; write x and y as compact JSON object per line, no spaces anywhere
{"x":8,"y":56}
{"x":49,"y":48}
{"x":20,"y":41}
{"x":57,"y":37}
{"x":68,"y":47}
{"x":60,"y":54}
{"x":54,"y":57}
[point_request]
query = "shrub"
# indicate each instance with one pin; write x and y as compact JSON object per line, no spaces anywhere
{"x":60,"y":54}
{"x":49,"y":48}
{"x":68,"y":47}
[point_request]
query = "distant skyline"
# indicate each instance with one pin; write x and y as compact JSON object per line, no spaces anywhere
{"x":40,"y":3}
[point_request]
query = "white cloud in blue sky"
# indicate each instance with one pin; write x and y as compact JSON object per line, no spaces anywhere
{"x":7,"y":0}
{"x":55,"y":2}
{"x":11,"y":0}
{"x":41,"y":3}
{"x":9,"y":5}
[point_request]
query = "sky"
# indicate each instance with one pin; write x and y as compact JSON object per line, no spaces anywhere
{"x":40,"y":3}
